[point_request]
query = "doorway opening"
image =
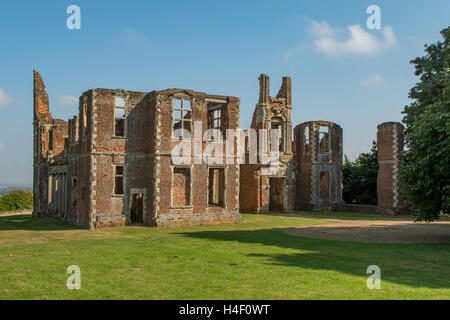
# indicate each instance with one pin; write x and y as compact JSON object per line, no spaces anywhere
{"x":137,"y":208}
{"x":277,"y":194}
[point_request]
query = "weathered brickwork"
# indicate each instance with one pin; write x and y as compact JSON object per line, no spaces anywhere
{"x":49,"y":156}
{"x":112,"y":164}
{"x":390,"y":144}
{"x":99,"y":171}
{"x":318,"y":155}
{"x":270,"y":191}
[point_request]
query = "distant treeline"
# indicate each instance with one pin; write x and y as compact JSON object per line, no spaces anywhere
{"x":16,"y":200}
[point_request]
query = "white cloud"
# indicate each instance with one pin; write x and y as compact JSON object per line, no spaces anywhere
{"x":372,"y":81}
{"x":66,"y":101}
{"x":5,"y":99}
{"x":328,"y":40}
{"x":2,"y":146}
{"x":322,"y":29}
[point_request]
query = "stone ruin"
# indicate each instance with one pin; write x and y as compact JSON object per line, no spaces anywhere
{"x":111,"y":164}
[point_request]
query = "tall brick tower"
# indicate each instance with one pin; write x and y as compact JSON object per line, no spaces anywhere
{"x":41,"y":121}
{"x":275,"y":191}
{"x":318,"y":155}
{"x":390,"y":144}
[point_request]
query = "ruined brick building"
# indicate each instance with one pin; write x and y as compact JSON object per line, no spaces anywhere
{"x":318,"y":146}
{"x":111,"y":164}
{"x":270,"y":190}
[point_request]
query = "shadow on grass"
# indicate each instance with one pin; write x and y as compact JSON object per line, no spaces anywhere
{"x":345,"y":215}
{"x":414,"y":265}
{"x":27,"y":222}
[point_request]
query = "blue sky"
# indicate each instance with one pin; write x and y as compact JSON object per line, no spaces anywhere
{"x":341,"y":71}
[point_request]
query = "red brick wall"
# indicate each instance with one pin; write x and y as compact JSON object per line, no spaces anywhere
{"x":255,"y":189}
{"x":170,"y":195}
{"x":311,"y":164}
{"x":390,"y":144}
{"x":93,"y":152}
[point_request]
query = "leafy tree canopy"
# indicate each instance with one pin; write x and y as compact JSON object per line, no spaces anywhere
{"x":425,"y":172}
{"x":360,"y":178}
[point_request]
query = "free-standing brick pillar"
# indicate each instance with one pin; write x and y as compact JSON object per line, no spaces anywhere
{"x":390,"y":144}
{"x":318,"y":155}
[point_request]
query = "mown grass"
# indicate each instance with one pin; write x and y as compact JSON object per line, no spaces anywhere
{"x":251,"y":260}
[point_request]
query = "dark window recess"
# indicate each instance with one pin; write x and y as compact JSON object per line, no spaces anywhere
{"x":50,"y":140}
{"x":74,"y":193}
{"x":118,"y":189}
{"x":120,"y":128}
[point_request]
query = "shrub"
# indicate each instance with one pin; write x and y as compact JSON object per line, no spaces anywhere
{"x":16,"y":200}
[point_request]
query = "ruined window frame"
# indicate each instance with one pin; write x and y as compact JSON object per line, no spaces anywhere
{"x":217,"y":118}
{"x":328,"y":142}
{"x":74,"y":192}
{"x":66,"y":146}
{"x":41,"y":146}
{"x":50,"y":139}
{"x":50,"y":189}
{"x":189,"y":168}
{"x":83,"y":118}
{"x":122,"y":176}
{"x":182,"y":120}
{"x":120,"y":118}
{"x":281,"y":127}
{"x":306,"y":138}
{"x":208,"y":200}
{"x":328,"y":191}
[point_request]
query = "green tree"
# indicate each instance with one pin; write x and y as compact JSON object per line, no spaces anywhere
{"x":425,"y":172}
{"x":360,"y":178}
{"x":16,"y":200}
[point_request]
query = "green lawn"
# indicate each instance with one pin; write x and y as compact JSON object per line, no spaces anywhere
{"x":251,"y":260}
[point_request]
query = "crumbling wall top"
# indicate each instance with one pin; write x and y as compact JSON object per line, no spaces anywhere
{"x":41,"y":102}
